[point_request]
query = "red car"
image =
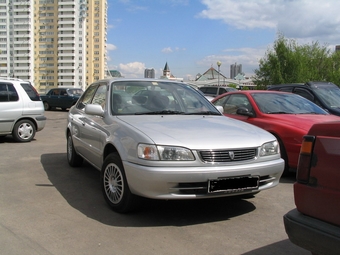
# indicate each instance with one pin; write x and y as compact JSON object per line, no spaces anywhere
{"x":315,"y":223}
{"x":286,"y":115}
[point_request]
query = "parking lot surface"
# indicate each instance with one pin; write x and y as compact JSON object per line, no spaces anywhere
{"x":47,"y":207}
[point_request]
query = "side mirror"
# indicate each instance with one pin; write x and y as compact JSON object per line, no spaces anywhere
{"x":244,"y":111}
{"x":220,"y":108}
{"x":94,"y":109}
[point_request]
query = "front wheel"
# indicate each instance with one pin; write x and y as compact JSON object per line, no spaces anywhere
{"x":114,"y":185}
{"x":24,"y":131}
{"x":73,"y":158}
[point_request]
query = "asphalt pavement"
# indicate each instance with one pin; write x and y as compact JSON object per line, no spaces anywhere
{"x":47,"y":207}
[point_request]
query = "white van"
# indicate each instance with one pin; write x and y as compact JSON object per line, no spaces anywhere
{"x":21,"y":110}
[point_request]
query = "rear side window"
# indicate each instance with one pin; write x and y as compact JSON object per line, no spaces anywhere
{"x":30,"y":91}
{"x":222,"y":91}
{"x":203,"y":89}
{"x":8,"y":93}
{"x":211,"y":90}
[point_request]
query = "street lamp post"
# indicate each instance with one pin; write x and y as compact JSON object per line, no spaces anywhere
{"x":219,"y":63}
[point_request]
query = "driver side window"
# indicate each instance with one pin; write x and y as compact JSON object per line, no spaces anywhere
{"x":86,"y":97}
{"x":235,"y":102}
{"x":100,"y":96}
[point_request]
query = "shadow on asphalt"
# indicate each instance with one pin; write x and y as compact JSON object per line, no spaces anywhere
{"x":290,"y":178}
{"x":279,"y":248}
{"x":81,"y":189}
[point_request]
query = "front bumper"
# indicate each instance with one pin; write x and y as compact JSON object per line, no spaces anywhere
{"x":311,"y":234}
{"x":192,"y":182}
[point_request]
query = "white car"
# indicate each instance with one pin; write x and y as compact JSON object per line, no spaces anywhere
{"x":21,"y":110}
{"x":167,"y":142}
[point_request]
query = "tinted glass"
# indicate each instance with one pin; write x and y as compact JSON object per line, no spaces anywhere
{"x":30,"y":91}
{"x":330,"y":95}
{"x":8,"y":93}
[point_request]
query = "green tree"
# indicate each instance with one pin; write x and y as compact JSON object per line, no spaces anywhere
{"x":288,"y":62}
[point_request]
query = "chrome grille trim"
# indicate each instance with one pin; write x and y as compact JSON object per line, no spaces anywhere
{"x":221,"y":156}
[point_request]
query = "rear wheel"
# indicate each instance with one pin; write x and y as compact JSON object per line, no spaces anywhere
{"x":24,"y":131}
{"x":115,"y":187}
{"x":46,"y":106}
{"x":73,"y":158}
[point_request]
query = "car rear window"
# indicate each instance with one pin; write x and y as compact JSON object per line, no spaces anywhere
{"x":8,"y":93}
{"x":30,"y":91}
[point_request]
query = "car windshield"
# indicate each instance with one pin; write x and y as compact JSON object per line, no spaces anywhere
{"x":330,"y":95}
{"x":285,"y":103}
{"x":157,"y":97}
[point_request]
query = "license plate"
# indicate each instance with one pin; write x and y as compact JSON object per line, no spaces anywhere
{"x":233,"y":184}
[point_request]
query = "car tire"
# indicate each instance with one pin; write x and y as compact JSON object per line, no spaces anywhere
{"x":24,"y":131}
{"x":115,"y":187}
{"x":73,"y":158}
{"x":46,"y":106}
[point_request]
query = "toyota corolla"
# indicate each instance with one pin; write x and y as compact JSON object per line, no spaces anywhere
{"x":162,"y":139}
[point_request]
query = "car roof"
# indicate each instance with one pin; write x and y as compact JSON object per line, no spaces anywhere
{"x":287,"y":85}
{"x":249,"y":92}
{"x":309,"y":84}
{"x":257,"y":91}
{"x":139,"y":79}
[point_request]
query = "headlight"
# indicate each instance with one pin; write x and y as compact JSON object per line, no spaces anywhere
{"x":270,"y":148}
{"x":152,"y":152}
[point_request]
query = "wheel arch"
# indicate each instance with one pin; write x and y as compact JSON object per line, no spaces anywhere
{"x":109,"y":148}
{"x":283,"y":152}
{"x":26,"y":118}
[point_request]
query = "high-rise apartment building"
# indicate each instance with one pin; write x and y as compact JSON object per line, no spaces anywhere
{"x":337,"y":48}
{"x":149,"y":73}
{"x":53,"y":43}
{"x":235,"y":69}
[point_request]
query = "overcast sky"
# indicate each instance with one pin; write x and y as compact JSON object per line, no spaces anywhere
{"x":192,"y":35}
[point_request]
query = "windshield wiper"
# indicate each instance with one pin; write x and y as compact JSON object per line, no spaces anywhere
{"x":203,"y":113}
{"x":159,"y":112}
{"x":279,"y":112}
{"x":309,"y":113}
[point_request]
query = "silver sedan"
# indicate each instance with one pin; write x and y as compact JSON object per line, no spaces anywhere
{"x":162,"y":139}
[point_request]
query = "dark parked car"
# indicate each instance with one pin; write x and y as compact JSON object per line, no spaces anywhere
{"x":324,"y":94}
{"x":214,"y":91}
{"x":61,"y":97}
{"x":315,"y":223}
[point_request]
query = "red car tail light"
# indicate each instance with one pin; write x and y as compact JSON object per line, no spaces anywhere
{"x":305,"y":159}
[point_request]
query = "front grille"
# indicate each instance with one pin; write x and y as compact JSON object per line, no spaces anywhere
{"x":221,"y":156}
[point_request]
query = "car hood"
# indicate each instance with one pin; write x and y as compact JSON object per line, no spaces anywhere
{"x":302,"y":121}
{"x":198,"y":132}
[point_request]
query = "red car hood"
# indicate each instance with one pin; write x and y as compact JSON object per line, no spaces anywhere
{"x":303,"y":121}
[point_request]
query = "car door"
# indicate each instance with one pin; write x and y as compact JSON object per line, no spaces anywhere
{"x":11,"y":107}
{"x":64,"y":100}
{"x":95,"y":128}
{"x":54,"y":98}
{"x":78,"y":120}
